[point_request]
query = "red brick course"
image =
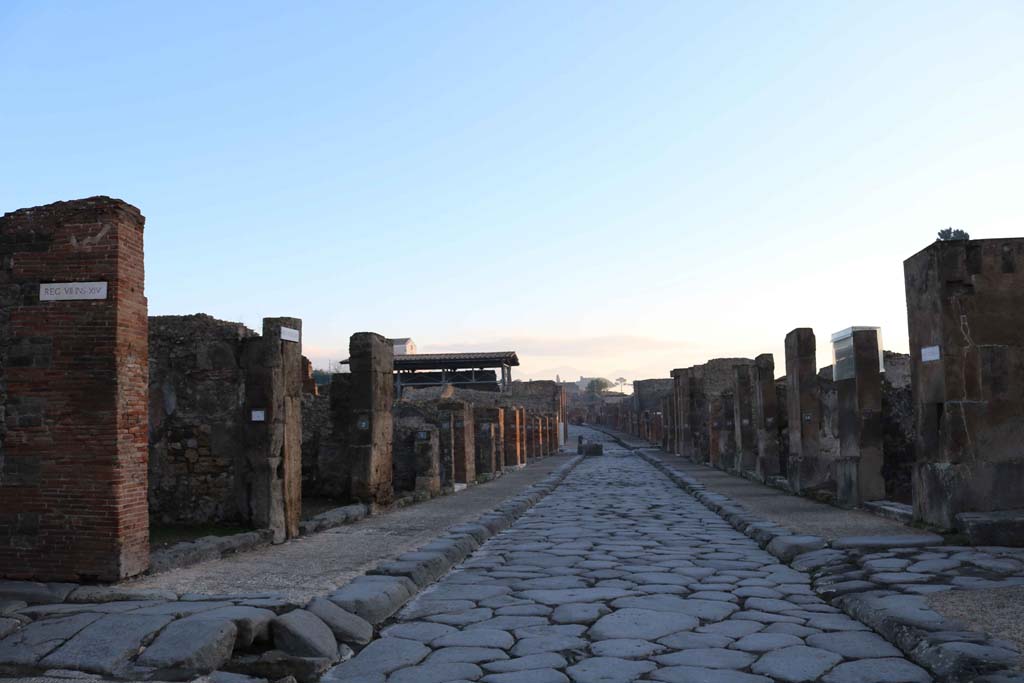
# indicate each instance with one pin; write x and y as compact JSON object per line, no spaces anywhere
{"x":73,"y":389}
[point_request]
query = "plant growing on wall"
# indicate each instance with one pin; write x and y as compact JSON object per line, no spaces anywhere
{"x":952,"y":235}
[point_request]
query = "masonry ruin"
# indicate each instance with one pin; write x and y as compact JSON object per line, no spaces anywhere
{"x":225,"y":423}
{"x":964,"y":300}
{"x":73,"y":363}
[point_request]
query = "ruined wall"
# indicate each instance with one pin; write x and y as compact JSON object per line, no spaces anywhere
{"x":225,"y":423}
{"x":648,"y":393}
{"x":73,"y":392}
{"x":316,"y":431}
{"x":898,"y":431}
{"x":357,"y":462}
{"x":964,"y":312}
{"x":196,"y":397}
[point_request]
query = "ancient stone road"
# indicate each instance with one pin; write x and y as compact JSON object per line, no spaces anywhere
{"x":620,"y":576}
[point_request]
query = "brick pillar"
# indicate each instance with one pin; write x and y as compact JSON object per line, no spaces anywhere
{"x":486,"y":436}
{"x":523,"y":441}
{"x":486,"y":420}
{"x":272,"y":428}
{"x":427,"y":448}
{"x":512,"y":437}
{"x":766,"y":421}
{"x":538,"y":436}
{"x":802,"y":397}
{"x":74,"y":388}
{"x":464,"y":440}
{"x":371,"y":360}
{"x":859,"y":468}
{"x":743,"y":420}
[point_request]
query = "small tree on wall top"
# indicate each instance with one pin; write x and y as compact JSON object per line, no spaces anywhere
{"x":952,"y":235}
{"x":598,"y":385}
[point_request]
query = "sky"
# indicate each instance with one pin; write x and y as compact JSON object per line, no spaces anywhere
{"x":608,"y":188}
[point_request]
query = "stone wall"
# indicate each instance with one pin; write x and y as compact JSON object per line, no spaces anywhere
{"x":196,"y":399}
{"x":964,"y":312}
{"x":73,"y":392}
{"x":898,"y":431}
{"x":225,"y":423}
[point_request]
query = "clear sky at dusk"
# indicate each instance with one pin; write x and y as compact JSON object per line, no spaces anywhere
{"x":607,"y":188}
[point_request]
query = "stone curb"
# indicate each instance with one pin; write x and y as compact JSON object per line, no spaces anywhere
{"x":943,"y":647}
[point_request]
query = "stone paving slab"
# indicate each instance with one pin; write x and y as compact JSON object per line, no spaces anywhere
{"x":648,"y":583}
{"x":248,"y":636}
{"x":869,"y":577}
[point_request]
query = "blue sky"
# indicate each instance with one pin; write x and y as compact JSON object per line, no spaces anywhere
{"x":608,"y":188}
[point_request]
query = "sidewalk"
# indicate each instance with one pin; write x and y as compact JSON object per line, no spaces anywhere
{"x":316,"y":564}
{"x":800,"y":515}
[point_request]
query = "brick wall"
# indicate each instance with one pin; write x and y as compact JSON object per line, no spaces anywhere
{"x":74,"y":394}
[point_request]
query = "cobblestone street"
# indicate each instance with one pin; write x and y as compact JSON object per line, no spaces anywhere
{"x":620,"y":576}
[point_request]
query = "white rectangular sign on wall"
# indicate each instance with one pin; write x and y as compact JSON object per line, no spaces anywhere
{"x":288,"y":334}
{"x":259,"y":416}
{"x":72,"y":291}
{"x":930,"y":353}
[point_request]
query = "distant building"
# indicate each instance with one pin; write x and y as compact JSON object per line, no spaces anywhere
{"x":404,"y":346}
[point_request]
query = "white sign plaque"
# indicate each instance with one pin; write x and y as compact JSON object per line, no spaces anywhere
{"x":930,"y":353}
{"x":288,"y":334}
{"x":259,"y":416}
{"x":71,"y":291}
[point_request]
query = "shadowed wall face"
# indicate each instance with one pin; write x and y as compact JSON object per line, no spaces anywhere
{"x":73,"y":388}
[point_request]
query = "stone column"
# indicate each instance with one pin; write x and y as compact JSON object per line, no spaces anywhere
{"x":743,"y":420}
{"x":766,"y":417}
{"x":859,"y":468}
{"x":271,"y":478}
{"x":73,"y":392}
{"x":428,"y":461}
{"x":723,"y":431}
{"x":513,"y":436}
{"x":371,"y":359}
{"x":678,"y":376}
{"x":446,"y":447}
{"x":804,"y":409}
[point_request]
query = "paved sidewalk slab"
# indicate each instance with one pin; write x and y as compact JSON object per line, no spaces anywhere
{"x":317,"y":564}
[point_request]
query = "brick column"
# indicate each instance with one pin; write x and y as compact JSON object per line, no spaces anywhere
{"x":464,"y":440}
{"x":513,"y":436}
{"x":859,"y":468}
{"x":486,"y":447}
{"x":272,"y":428}
{"x":74,"y":387}
{"x":802,"y":397}
{"x":371,"y":360}
{"x":766,"y":420}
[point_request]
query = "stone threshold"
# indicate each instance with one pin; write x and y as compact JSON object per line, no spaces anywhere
{"x":136,"y":634}
{"x":945,"y":648}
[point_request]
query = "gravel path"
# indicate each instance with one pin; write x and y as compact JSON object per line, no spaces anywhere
{"x":619,"y":576}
